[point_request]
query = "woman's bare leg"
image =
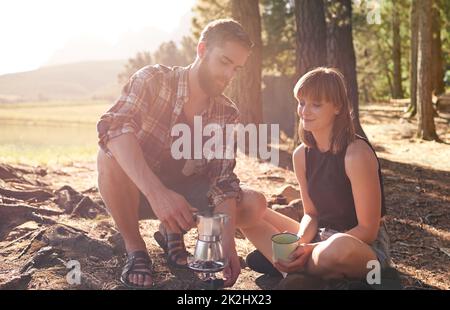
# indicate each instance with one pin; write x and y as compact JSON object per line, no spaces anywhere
{"x":341,"y":255}
{"x":260,"y":234}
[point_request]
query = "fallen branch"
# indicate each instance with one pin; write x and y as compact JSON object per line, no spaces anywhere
{"x":19,"y":239}
{"x":272,"y":178}
{"x":39,"y":234}
{"x":432,"y":215}
{"x":415,"y":246}
{"x":74,"y":228}
{"x":92,"y":189}
{"x":8,"y":173}
{"x":42,"y":219}
{"x":10,"y":200}
{"x":445,"y":251}
{"x":36,"y":195}
{"x":27,"y":208}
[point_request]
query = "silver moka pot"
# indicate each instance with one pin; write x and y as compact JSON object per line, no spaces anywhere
{"x":208,"y":257}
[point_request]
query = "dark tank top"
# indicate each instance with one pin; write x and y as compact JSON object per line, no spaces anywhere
{"x":330,"y":189}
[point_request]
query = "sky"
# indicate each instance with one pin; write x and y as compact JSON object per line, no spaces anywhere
{"x":32,"y":31}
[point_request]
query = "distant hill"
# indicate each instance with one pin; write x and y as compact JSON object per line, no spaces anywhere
{"x":91,"y":79}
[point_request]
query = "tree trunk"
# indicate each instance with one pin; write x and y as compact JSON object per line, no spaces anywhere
{"x":310,"y":39}
{"x":436,"y":52}
{"x":396,"y":52}
{"x":341,"y":52}
{"x":245,"y":89}
{"x":412,"y":109}
{"x":311,"y":35}
{"x":426,"y":128}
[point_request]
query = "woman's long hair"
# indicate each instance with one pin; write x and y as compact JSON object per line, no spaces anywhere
{"x":327,"y":85}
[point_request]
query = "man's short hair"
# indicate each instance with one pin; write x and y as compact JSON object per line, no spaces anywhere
{"x":219,"y":31}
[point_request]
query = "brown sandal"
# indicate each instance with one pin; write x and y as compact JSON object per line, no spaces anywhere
{"x":138,"y":262}
{"x":173,"y":246}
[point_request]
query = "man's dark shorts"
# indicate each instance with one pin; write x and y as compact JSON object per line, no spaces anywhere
{"x":193,"y":188}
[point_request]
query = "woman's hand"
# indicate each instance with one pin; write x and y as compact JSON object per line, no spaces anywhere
{"x":299,"y":258}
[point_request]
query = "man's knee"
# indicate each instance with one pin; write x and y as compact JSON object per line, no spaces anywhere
{"x":108,"y":167}
{"x":111,"y":176}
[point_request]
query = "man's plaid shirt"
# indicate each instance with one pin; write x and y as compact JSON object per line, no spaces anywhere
{"x":150,"y":105}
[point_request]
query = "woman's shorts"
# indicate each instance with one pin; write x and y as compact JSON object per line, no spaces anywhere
{"x":380,"y":246}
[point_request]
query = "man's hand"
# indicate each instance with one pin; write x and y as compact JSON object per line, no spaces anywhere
{"x":299,"y":258}
{"x":233,"y":268}
{"x":173,"y":211}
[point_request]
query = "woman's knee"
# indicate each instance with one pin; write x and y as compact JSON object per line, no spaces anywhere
{"x":334,"y":253}
{"x":251,"y":208}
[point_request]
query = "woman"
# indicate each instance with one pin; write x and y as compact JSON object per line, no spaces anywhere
{"x":342,"y":228}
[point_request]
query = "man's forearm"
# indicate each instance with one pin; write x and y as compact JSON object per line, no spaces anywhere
{"x":228,"y":207}
{"x":128,"y":154}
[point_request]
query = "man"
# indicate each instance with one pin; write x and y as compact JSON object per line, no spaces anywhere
{"x":138,"y":174}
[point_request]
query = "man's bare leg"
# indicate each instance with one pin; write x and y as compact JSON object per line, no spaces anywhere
{"x":121,"y":197}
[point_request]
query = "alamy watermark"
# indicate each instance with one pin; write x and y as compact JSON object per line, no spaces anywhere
{"x":73,"y":277}
{"x":223,"y":139}
{"x":374,"y":275}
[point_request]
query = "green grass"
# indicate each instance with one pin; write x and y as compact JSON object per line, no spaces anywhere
{"x":47,"y":155}
{"x":72,"y":112}
{"x":46,"y":133}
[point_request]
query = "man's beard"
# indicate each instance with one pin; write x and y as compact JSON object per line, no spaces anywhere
{"x":209,"y":83}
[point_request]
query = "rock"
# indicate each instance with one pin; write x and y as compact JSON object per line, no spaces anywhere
{"x":297,"y":204}
{"x":86,"y":208}
{"x":289,"y":211}
{"x":277,"y":200}
{"x":67,"y":198}
{"x":117,"y":243}
{"x":45,"y":256}
{"x":76,"y":203}
{"x":19,"y":282}
{"x":289,"y":192}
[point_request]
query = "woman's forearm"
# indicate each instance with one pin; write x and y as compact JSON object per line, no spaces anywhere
{"x":308,"y":228}
{"x":365,"y":234}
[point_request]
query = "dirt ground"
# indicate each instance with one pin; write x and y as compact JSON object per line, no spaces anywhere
{"x":52,"y":215}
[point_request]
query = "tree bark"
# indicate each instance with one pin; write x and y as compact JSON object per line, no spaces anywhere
{"x":396,"y":52}
{"x":341,"y":52}
{"x":245,"y":89}
{"x":412,"y":109}
{"x":436,"y":51}
{"x":311,"y":35}
{"x":426,"y":127}
{"x":310,"y":39}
